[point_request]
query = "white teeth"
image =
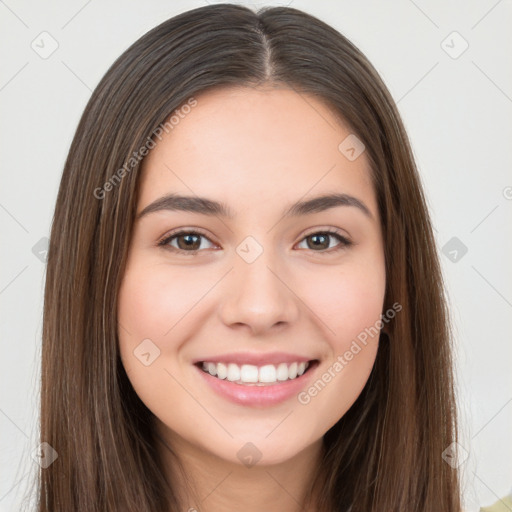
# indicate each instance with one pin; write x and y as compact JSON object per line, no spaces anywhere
{"x":250,"y":374}
{"x":282,"y":372}
{"x":222,"y":371}
{"x":212,"y":368}
{"x":233,"y":372}
{"x":267,"y":373}
{"x":292,"y":371}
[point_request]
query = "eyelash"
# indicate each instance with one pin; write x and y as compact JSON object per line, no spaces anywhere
{"x":344,"y":242}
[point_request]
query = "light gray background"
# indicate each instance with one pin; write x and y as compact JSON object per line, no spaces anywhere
{"x":457,"y":112}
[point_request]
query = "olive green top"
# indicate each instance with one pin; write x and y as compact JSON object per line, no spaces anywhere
{"x":502,"y":505}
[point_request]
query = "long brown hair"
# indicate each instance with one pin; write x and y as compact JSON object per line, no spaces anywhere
{"x":385,"y":453}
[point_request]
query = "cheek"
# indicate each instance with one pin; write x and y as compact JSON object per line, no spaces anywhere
{"x":153,"y":300}
{"x":348,"y":301}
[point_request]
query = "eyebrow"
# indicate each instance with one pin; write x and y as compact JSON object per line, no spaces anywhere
{"x":205,"y":206}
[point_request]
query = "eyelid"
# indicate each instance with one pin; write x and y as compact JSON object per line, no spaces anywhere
{"x":332,"y":231}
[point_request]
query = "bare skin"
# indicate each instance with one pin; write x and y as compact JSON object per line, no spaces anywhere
{"x":258,"y":151}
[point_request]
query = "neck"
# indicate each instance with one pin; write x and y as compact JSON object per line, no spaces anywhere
{"x":213,"y":484}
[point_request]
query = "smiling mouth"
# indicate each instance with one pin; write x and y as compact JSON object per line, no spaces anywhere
{"x":252,"y":375}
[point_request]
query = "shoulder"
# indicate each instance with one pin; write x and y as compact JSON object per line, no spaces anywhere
{"x":502,"y":505}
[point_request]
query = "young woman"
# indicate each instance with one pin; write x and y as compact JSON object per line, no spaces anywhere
{"x":244,"y":308}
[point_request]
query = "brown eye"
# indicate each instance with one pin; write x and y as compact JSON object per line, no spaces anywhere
{"x":190,"y":242}
{"x":187,"y":241}
{"x":320,"y":241}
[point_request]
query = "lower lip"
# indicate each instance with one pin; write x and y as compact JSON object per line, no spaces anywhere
{"x":268,"y":395}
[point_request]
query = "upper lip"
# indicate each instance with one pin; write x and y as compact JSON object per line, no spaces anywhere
{"x":256,"y":359}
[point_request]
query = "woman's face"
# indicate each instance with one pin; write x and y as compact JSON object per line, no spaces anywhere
{"x":265,"y":285}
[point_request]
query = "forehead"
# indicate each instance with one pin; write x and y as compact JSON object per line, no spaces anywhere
{"x":246,"y":146}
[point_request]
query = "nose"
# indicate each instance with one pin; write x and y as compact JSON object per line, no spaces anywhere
{"x":259,"y":296}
